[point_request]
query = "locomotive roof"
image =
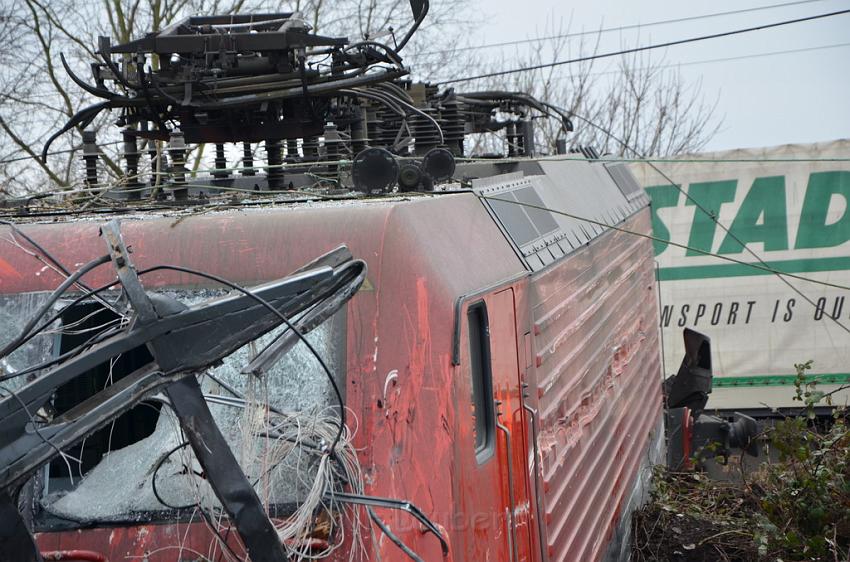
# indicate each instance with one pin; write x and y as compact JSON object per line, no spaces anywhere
{"x":471,"y":238}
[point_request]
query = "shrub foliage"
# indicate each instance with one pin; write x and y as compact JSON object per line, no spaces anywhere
{"x":794,"y":507}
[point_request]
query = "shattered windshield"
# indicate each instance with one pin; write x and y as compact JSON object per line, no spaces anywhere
{"x":139,"y":465}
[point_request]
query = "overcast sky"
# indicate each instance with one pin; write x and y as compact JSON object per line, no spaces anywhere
{"x":765,"y":101}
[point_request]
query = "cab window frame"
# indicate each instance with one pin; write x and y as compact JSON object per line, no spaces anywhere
{"x":482,"y":406}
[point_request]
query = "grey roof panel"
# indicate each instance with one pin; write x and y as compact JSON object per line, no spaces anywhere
{"x":542,"y":214}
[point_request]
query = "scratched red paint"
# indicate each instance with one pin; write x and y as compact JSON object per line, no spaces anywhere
{"x":8,"y":273}
{"x":590,"y":361}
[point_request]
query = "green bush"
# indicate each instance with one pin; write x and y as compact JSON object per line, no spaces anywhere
{"x":794,"y":508}
{"x":805,"y":497}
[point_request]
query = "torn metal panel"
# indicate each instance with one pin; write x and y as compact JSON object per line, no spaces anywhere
{"x":118,"y":488}
{"x":160,"y":323}
{"x":201,"y":324}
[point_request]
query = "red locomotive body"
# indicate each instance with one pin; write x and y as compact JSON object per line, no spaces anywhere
{"x":501,"y":362}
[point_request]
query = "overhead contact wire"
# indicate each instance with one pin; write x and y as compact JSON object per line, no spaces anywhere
{"x":648,"y":47}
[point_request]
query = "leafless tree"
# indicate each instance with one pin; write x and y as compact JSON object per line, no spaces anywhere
{"x":640,"y":106}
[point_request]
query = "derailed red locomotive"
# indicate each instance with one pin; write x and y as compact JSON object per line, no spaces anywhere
{"x":465,"y":369}
{"x":512,"y":396}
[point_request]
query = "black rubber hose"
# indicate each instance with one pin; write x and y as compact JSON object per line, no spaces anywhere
{"x":85,"y":115}
{"x":93,"y":90}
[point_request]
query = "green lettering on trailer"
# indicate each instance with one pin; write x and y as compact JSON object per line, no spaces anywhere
{"x":661,"y":196}
{"x":761,"y":218}
{"x":710,"y":196}
{"x":814,"y":231}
